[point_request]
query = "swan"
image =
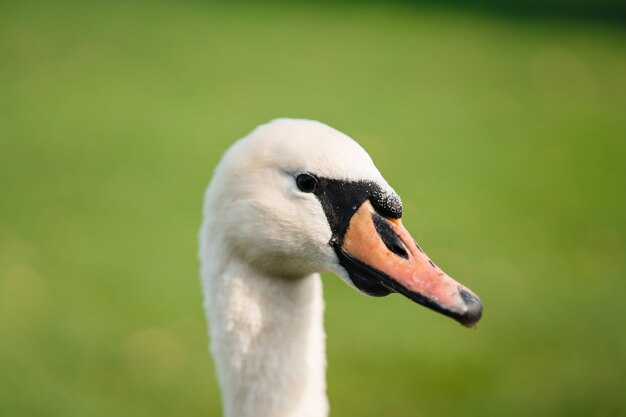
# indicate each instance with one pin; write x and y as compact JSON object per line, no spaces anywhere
{"x":290,"y":200}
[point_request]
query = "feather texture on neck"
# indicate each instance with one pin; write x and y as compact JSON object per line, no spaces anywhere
{"x":267,"y":338}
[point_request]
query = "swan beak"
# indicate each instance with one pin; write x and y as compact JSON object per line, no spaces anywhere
{"x":383,"y":252}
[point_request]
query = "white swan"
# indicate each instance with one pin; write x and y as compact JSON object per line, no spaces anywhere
{"x":290,"y":200}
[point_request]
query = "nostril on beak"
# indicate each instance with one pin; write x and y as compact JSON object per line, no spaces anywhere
{"x":388,"y":236}
{"x":474,"y":308}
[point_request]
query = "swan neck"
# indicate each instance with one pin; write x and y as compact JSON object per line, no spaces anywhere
{"x":267,"y":339}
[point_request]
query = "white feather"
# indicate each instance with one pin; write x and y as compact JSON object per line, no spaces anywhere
{"x":263,"y":243}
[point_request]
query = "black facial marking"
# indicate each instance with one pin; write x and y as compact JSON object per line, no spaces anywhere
{"x":431,"y":263}
{"x":363,"y":279}
{"x":388,"y":236}
{"x":418,"y":246}
{"x":388,"y":205}
{"x":341,"y":199}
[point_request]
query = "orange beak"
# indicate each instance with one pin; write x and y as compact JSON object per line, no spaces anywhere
{"x":381,"y":256}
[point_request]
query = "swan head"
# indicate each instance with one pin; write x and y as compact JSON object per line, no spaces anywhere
{"x":296,"y":197}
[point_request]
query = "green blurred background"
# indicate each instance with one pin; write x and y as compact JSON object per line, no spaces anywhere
{"x":501,"y":124}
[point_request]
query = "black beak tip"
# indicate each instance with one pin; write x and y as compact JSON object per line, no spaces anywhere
{"x":474,"y":309}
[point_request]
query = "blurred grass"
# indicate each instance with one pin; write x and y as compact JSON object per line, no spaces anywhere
{"x":506,"y":138}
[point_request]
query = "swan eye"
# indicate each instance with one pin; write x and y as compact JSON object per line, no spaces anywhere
{"x":306,"y":183}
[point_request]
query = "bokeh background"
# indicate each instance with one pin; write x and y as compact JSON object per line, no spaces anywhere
{"x":501,"y":124}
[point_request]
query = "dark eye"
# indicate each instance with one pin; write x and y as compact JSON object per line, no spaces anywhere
{"x":306,"y":183}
